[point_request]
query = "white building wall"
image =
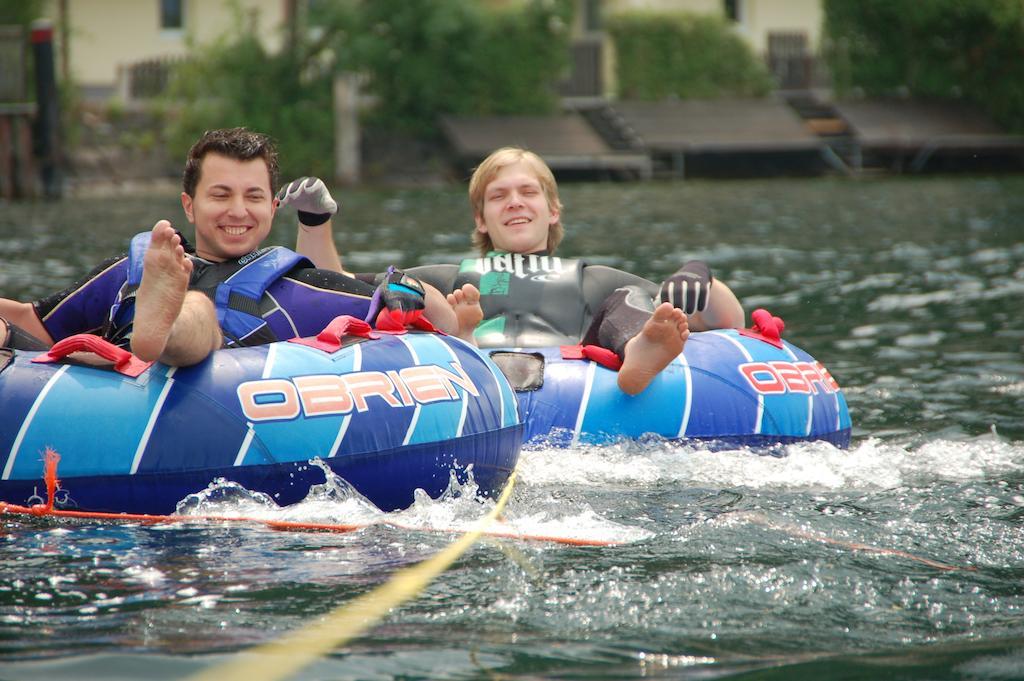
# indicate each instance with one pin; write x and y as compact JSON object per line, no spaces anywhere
{"x":106,"y":35}
{"x":695,"y":6}
{"x":757,"y":18}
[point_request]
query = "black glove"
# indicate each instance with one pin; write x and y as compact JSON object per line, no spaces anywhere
{"x":400,"y":295}
{"x":310,"y":197}
{"x":689,"y":288}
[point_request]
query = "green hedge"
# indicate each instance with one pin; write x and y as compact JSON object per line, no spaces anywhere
{"x":239,"y":84}
{"x":20,"y":12}
{"x":425,"y":58}
{"x":661,"y":55}
{"x":971,"y":49}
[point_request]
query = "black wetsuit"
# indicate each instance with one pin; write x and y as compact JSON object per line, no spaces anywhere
{"x":300,"y":303}
{"x":540,"y":300}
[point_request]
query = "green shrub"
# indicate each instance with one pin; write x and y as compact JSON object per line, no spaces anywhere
{"x":523,"y":55}
{"x":940,"y":48}
{"x":426,"y":58}
{"x":21,"y":12}
{"x":659,"y":55}
{"x":237,"y":83}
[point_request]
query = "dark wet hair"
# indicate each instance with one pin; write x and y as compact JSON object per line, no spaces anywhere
{"x":240,"y":144}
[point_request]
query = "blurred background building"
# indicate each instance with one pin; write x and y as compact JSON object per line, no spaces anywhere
{"x":123,"y":47}
{"x":797,"y":95}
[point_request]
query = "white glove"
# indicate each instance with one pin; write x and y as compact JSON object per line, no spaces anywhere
{"x":310,"y":198}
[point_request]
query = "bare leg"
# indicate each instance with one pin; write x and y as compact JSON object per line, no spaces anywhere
{"x":16,"y":338}
{"x":23,"y":316}
{"x":171,"y":324}
{"x":437,"y":310}
{"x":195,"y":334}
{"x":658,"y":343}
{"x":466,"y":303}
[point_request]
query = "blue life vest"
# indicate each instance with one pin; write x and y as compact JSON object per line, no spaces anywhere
{"x":236,"y":288}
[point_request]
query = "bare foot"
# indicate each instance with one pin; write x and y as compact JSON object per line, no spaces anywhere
{"x":658,"y":343}
{"x":466,"y":303}
{"x":165,"y":277}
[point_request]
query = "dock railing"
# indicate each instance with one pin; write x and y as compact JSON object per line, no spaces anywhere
{"x":17,"y":171}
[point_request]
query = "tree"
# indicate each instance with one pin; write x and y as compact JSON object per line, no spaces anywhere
{"x":684,"y":55}
{"x":421,"y":59}
{"x":941,"y":48}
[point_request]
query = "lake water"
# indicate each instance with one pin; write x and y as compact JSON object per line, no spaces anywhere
{"x":900,"y":558}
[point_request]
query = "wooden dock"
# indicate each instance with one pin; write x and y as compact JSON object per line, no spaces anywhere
{"x":17,"y":163}
{"x":747,"y":137}
{"x":642,"y":139}
{"x":568,"y":144}
{"x":724,"y":137}
{"x":917,"y":136}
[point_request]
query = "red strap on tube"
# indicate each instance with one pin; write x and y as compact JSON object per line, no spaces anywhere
{"x":766,"y":327}
{"x":330,"y":339}
{"x":124,"y":362}
{"x":398,"y":321}
{"x":596,"y":353}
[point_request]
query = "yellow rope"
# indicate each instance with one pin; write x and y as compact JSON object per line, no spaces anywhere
{"x":290,"y":653}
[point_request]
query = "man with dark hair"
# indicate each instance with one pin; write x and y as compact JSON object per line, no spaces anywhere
{"x":167,"y":301}
{"x":237,"y":143}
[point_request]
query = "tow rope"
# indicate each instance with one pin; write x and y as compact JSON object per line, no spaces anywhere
{"x":290,"y":653}
{"x":281,"y":658}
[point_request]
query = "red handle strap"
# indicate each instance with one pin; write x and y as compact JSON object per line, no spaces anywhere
{"x":398,"y":321}
{"x":124,"y":362}
{"x":766,"y":327}
{"x":330,"y":339}
{"x":603,"y":356}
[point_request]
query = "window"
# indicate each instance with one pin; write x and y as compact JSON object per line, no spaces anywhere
{"x":172,"y":15}
{"x":734,"y":10}
{"x":592,"y":15}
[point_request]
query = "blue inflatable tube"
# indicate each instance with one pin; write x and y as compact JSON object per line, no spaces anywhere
{"x":726,"y":389}
{"x":388,"y":415}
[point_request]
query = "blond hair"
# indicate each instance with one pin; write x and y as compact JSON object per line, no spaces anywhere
{"x":489,"y":169}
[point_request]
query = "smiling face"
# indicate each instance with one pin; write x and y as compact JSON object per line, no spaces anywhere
{"x":516,"y":214}
{"x":232,"y":208}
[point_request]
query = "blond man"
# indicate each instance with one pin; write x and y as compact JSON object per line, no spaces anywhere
{"x":518,"y":293}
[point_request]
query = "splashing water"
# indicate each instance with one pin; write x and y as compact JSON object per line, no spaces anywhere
{"x":457,"y":509}
{"x":870,"y":464}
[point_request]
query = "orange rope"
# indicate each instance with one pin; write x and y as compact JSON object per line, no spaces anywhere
{"x":853,"y":546}
{"x":52,"y":458}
